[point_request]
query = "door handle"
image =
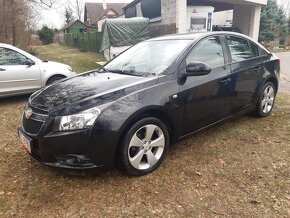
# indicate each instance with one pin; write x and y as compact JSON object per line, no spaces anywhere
{"x":1,"y":69}
{"x":225,"y":80}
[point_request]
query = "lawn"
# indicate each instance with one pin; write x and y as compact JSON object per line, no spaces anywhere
{"x":80,"y":61}
{"x":239,"y":168}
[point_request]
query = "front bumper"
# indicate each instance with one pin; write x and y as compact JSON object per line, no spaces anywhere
{"x":78,"y":151}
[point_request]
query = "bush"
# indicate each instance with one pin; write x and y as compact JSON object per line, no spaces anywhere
{"x":46,"y":35}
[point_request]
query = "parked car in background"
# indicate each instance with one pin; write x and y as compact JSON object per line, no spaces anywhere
{"x":22,"y":73}
{"x":129,"y":112}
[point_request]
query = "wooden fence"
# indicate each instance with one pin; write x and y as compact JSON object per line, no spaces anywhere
{"x":85,"y":41}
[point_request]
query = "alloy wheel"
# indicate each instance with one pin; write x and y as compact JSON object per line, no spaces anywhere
{"x":146,"y":147}
{"x":268,"y":99}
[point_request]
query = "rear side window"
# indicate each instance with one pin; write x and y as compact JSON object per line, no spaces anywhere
{"x":262,"y":52}
{"x":208,"y":51}
{"x":240,"y":48}
{"x":255,"y":50}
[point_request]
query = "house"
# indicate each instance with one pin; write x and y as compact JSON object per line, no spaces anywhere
{"x":94,"y":12}
{"x":77,"y":26}
{"x":181,"y":16}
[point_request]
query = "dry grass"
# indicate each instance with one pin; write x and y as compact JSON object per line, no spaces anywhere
{"x":240,"y":168}
{"x":80,"y":61}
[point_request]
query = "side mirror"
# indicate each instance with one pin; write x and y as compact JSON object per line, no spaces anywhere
{"x":29,"y":62}
{"x":197,"y":69}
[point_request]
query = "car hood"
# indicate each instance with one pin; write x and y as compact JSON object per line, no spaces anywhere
{"x":86,"y":91}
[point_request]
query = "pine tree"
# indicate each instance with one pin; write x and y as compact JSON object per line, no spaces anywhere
{"x":68,"y":14}
{"x":273,"y":24}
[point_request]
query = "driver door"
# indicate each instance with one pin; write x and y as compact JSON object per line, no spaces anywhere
{"x":15,"y":75}
{"x":206,"y":98}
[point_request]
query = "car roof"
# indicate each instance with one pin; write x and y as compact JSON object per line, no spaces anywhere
{"x":195,"y":36}
{"x":6,"y":45}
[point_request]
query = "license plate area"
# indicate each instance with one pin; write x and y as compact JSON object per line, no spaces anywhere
{"x":25,"y":142}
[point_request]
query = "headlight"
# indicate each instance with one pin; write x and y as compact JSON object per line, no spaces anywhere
{"x":82,"y":120}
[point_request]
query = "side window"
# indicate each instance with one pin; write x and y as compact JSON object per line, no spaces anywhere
{"x":10,"y":57}
{"x":262,"y":52}
{"x":255,"y":50}
{"x":208,"y":51}
{"x":240,"y":48}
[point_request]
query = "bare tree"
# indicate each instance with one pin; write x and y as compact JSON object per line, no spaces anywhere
{"x":46,"y":3}
{"x":15,"y":22}
{"x":78,"y":8}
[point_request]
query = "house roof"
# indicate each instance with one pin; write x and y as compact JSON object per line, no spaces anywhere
{"x":71,"y":23}
{"x":95,"y":10}
{"x":132,"y":3}
{"x":104,"y":13}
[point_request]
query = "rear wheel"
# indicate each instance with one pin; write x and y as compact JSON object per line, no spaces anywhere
{"x":54,"y":79}
{"x":144,"y":146}
{"x":266,"y":100}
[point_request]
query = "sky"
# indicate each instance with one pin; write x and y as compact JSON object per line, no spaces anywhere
{"x":54,"y":17}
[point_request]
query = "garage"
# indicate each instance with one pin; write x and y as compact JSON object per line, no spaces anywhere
{"x":179,"y":16}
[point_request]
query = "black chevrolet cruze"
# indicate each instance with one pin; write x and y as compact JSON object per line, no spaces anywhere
{"x":130,"y":111}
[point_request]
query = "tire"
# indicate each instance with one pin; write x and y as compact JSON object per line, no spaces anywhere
{"x":266,"y":100}
{"x":54,"y":79}
{"x":141,"y":154}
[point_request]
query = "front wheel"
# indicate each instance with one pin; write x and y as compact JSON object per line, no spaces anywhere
{"x":144,"y":146}
{"x":266,"y":100}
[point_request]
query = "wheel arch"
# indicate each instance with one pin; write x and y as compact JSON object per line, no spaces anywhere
{"x":274,"y":81}
{"x":54,"y":75}
{"x":156,"y":112}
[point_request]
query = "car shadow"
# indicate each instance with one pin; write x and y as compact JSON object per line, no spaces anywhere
{"x":14,"y":99}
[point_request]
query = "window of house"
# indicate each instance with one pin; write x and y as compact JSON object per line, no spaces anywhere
{"x":208,"y":51}
{"x":151,"y":9}
{"x":131,"y":12}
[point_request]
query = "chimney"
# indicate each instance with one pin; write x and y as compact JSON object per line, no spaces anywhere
{"x":104,"y":4}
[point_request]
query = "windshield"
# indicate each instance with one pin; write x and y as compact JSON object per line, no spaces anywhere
{"x":147,"y":58}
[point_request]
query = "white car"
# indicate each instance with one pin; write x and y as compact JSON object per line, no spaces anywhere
{"x":22,"y":73}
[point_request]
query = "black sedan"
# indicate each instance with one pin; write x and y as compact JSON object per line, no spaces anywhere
{"x":129,"y":112}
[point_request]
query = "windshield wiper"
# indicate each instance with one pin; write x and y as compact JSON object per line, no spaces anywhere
{"x":124,"y":72}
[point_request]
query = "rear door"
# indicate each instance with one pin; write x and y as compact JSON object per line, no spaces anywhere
{"x":247,"y":66}
{"x":15,"y":75}
{"x":206,"y":98}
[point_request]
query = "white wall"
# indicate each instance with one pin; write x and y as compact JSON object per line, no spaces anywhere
{"x":247,"y":19}
{"x":223,"y":18}
{"x":181,"y":6}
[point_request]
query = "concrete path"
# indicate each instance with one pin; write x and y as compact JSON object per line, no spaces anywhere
{"x":285,"y":71}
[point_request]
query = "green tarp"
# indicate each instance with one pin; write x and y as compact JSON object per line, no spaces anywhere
{"x":124,"y":32}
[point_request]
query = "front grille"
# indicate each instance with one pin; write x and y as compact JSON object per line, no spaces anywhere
{"x":31,"y":126}
{"x":38,"y":111}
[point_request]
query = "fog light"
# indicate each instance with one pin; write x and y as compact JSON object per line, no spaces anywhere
{"x":75,"y":160}
{"x":72,"y":160}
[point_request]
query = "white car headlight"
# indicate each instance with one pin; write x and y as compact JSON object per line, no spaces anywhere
{"x":81,"y":120}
